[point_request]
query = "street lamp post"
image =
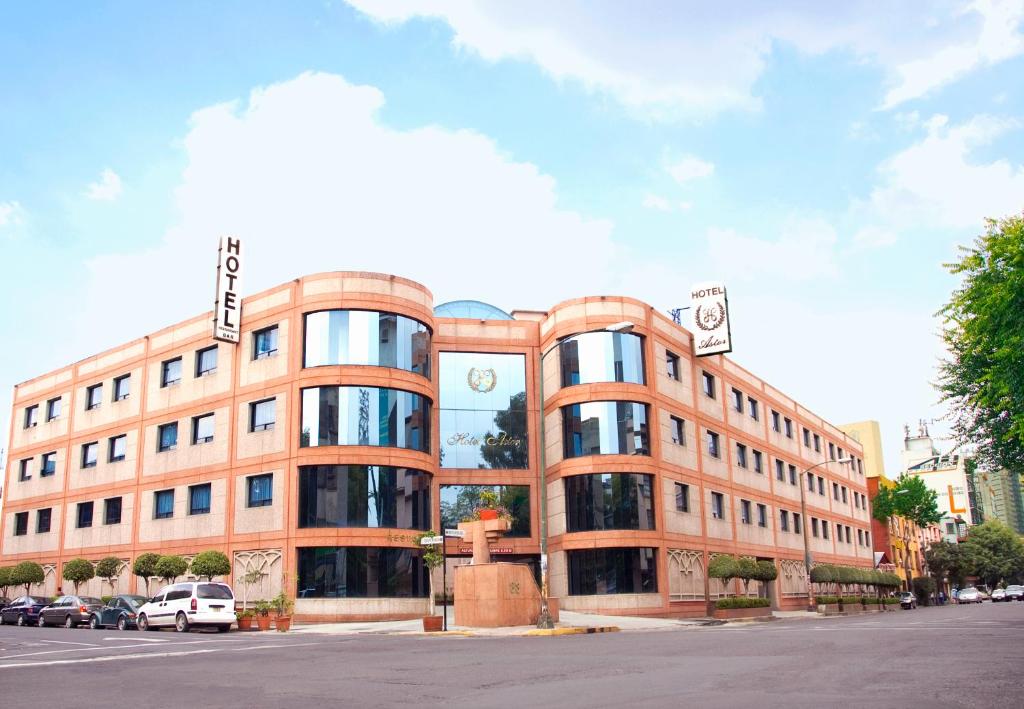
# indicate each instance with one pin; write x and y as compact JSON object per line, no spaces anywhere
{"x":804,"y":523}
{"x":544,"y":620}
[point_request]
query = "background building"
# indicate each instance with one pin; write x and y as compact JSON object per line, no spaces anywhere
{"x":354,"y":415}
{"x":1000,"y":497}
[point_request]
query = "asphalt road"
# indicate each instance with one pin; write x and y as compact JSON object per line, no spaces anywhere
{"x":962,"y":656}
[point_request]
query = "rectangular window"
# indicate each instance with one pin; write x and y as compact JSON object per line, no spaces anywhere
{"x":682,"y":497}
{"x":170,"y":372}
{"x":807,"y":438}
{"x":835,"y":491}
{"x":753,"y":408}
{"x":20,"y":524}
{"x":717,"y":505}
{"x":199,"y":499}
{"x":860,"y":537}
{"x":43,"y":518}
{"x":672,"y":365}
{"x":860,"y":466}
{"x":762,"y":516}
{"x":817,"y":443}
{"x":810,"y":483}
{"x":856,"y":499}
{"x":792,"y":475}
{"x":48,"y":466}
{"x":32,"y":416}
{"x":789,"y":427}
{"x":713,"y":450}
{"x":264,"y":342}
{"x":821,"y":486}
{"x":163,"y":504}
{"x":167,"y":436}
{"x":202,"y":429}
{"x":118,"y":446}
{"x":206,"y":361}
{"x":112,"y":510}
{"x":780,"y":470}
{"x":23,"y":469}
{"x":831,"y":450}
{"x":843,"y":489}
{"x":260,"y":489}
{"x":89,"y":454}
{"x":708,"y":384}
{"x":84,"y":515}
{"x":262,"y":415}
{"x":741,"y":455}
{"x":122,"y":387}
{"x":758,"y":462}
{"x":840,"y":453}
{"x":784,"y":520}
{"x":824,"y":529}
{"x":53,"y":407}
{"x":867,"y":538}
{"x":776,"y":421}
{"x":797,"y":529}
{"x":737,"y":400}
{"x":93,"y":397}
{"x":814,"y":526}
{"x":745,"y":511}
{"x":848,"y":539}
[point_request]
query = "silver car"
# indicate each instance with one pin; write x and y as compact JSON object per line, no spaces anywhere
{"x":968,"y":595}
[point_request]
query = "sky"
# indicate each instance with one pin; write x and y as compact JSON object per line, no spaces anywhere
{"x":824,"y":160}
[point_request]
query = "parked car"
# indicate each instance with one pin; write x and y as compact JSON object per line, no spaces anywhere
{"x":999,"y":595}
{"x":4,"y":602}
{"x":908,"y":600}
{"x":23,"y":611}
{"x":185,"y":605}
{"x":69,"y":611}
{"x":120,"y":612}
{"x":1015,"y":593}
{"x":968,"y":595}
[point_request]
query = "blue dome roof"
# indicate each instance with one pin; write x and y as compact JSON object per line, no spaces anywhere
{"x":472,"y":309}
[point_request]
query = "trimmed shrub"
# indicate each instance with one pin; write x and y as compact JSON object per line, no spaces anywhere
{"x":823,"y":573}
{"x":78,"y":571}
{"x":723,"y":567}
{"x":890,"y":601}
{"x":27,"y":573}
{"x":5,"y":579}
{"x":826,"y":600}
{"x":741,"y":602}
{"x":851,"y":600}
{"x":171,"y":567}
{"x":208,"y":564}
{"x":145,"y":567}
{"x":766,"y":571}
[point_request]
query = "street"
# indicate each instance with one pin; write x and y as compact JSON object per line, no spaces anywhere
{"x":960,"y":656}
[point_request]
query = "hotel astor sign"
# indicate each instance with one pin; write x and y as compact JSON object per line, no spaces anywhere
{"x":227,"y":309}
{"x":709,"y":308}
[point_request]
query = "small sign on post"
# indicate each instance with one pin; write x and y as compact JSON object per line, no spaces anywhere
{"x":431,"y":541}
{"x":456,"y":533}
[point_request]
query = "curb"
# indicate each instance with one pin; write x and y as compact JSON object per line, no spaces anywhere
{"x":571,"y":631}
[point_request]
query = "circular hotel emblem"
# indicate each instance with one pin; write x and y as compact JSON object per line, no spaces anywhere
{"x":482,"y":380}
{"x":711,"y":318}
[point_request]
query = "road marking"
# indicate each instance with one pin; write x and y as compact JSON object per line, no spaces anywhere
{"x":68,"y":642}
{"x":140,"y":640}
{"x":73,"y":649}
{"x":141,"y":655}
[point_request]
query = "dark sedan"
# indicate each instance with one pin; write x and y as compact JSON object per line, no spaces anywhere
{"x":120,"y":612}
{"x":23,"y":610}
{"x":69,"y":611}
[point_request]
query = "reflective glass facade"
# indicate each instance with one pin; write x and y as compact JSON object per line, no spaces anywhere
{"x":605,"y":427}
{"x":366,"y":337}
{"x":361,"y":572}
{"x":483,"y":410}
{"x":364,"y":416}
{"x":602,"y":357}
{"x":608,"y":501}
{"x":614,"y":570}
{"x":363,"y":496}
{"x":458,"y":502}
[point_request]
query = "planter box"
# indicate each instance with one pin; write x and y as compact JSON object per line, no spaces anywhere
{"x":733,"y":613}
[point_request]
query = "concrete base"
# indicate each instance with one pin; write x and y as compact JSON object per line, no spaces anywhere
{"x":495,"y":595}
{"x":733,"y":613}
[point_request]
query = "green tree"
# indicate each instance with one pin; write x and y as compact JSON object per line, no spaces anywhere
{"x":107,"y":569}
{"x":5,"y":579}
{"x":170,"y":567}
{"x":432,"y":557}
{"x":946,"y":561}
{"x":78,"y":571}
{"x":724,"y":567}
{"x":994,"y":553}
{"x":912,"y":500}
{"x":145,"y":567}
{"x":208,"y":564}
{"x":27,"y":573}
{"x":984,"y":333}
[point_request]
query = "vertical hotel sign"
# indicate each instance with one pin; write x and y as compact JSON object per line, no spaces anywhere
{"x":227,"y":310}
{"x":709,"y":307}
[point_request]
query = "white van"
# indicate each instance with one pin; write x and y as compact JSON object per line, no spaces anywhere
{"x":194,"y":603}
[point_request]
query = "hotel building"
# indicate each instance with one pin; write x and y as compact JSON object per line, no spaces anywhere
{"x":354,"y":414}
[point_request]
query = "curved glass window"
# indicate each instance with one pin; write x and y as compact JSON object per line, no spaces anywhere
{"x":602,"y":357}
{"x":459,"y":502}
{"x":608,"y":501}
{"x":363,"y":496}
{"x":366,"y":337}
{"x":361,"y":572}
{"x":605,"y":427}
{"x":618,"y":570}
{"x":473,"y":309}
{"x":364,"y":416}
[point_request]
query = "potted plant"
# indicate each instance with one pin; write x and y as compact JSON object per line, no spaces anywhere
{"x":263,"y":615}
{"x":283,"y":605}
{"x":489,"y":508}
{"x":244,"y":619}
{"x":432,"y":558}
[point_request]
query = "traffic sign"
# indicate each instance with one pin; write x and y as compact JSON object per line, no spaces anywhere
{"x":430,"y":541}
{"x":457,"y":533}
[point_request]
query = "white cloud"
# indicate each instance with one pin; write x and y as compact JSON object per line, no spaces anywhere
{"x":688,"y":168}
{"x":999,"y":38}
{"x":11,"y":214}
{"x":805,"y":250}
{"x":653,"y":201}
{"x":672,"y":60}
{"x":106,"y":189}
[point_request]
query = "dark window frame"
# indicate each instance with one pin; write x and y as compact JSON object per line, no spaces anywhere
{"x":93,"y":396}
{"x":205,"y":371}
{"x":160,"y":447}
{"x":21,"y":523}
{"x":263,"y":502}
{"x":196,"y":420}
{"x":50,"y":415}
{"x":83,"y":520}
{"x":682,"y":497}
{"x":157,"y":496}
{"x":109,"y":510}
{"x":266,"y":426}
{"x":192,"y":490}
{"x":165,"y":372}
{"x":31,"y":416}
{"x":672,"y":365}
{"x":708,"y":384}
{"x":111,"y":458}
{"x":118,"y":381}
{"x":48,"y":518}
{"x":678,"y":430}
{"x":94,"y":446}
{"x":258,"y":354}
